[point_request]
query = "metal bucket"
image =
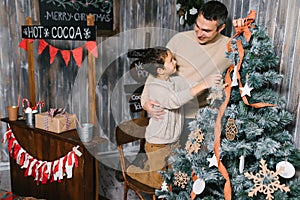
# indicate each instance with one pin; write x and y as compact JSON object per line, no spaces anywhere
{"x":86,"y":132}
{"x":30,"y":119}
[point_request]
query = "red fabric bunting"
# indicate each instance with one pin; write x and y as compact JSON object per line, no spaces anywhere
{"x":17,"y":148}
{"x":46,"y":173}
{"x":42,"y":45}
{"x":23,"y":43}
{"x":91,"y":46}
{"x":66,"y":56}
{"x":42,"y":171}
{"x":22,"y":158}
{"x":77,"y":55}
{"x":72,"y":155}
{"x":10,"y":145}
{"x":52,"y":52}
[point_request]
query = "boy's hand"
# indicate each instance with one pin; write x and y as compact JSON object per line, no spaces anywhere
{"x":212,"y":80}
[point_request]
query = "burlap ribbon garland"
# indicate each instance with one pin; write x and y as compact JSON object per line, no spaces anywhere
{"x":217,"y":131}
{"x":194,"y":178}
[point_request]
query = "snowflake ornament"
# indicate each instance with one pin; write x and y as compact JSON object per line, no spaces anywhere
{"x":194,"y":139}
{"x":216,"y":92}
{"x":192,"y":147}
{"x":266,"y":181}
{"x":181,"y":179}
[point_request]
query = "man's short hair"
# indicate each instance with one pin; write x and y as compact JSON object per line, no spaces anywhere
{"x":214,"y":10}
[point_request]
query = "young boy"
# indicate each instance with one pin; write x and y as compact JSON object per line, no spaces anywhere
{"x":172,"y":92}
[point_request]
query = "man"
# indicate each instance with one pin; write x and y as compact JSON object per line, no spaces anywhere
{"x":199,"y":53}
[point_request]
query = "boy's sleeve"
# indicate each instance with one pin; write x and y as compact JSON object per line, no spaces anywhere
{"x":145,"y":94}
{"x":167,"y":98}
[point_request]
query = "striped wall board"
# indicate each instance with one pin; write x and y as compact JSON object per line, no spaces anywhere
{"x":59,"y":86}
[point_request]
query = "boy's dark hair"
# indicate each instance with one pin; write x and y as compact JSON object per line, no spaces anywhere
{"x":214,"y":10}
{"x":154,"y":58}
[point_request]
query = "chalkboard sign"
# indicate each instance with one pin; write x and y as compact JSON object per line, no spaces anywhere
{"x":74,"y":13}
{"x":133,"y":94}
{"x":59,"y":32}
{"x":137,"y":71}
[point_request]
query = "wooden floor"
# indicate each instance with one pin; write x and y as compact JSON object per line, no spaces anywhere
{"x":109,"y":187}
{"x":5,"y":178}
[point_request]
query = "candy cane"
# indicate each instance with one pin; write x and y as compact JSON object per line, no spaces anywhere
{"x":40,"y":104}
{"x":27,"y":101}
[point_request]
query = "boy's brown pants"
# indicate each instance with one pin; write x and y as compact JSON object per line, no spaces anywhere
{"x":157,"y":161}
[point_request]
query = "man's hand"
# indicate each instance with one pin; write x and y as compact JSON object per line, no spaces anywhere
{"x":153,"y":109}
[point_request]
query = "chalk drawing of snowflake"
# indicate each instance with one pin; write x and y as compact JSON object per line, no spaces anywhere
{"x":87,"y":33}
{"x":25,"y":32}
{"x":266,"y":181}
{"x":46,"y":32}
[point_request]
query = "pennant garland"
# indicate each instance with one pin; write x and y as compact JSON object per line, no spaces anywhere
{"x":23,"y":43}
{"x":42,"y":45}
{"x":91,"y":46}
{"x":53,"y":52}
{"x":66,"y":56}
{"x":77,"y":55}
{"x":42,"y":171}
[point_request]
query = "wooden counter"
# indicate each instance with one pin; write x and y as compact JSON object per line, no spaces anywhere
{"x":48,"y":146}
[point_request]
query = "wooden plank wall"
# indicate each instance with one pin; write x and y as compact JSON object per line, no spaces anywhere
{"x":61,"y":86}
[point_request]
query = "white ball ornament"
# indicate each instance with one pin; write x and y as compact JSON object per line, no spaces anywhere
{"x":288,"y":169}
{"x":198,"y":186}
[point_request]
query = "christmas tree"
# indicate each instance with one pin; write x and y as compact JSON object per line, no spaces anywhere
{"x":239,"y":146}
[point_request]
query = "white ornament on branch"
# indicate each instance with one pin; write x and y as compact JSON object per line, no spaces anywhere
{"x":198,"y":186}
{"x":213,"y":161}
{"x":288,"y":169}
{"x":164,"y":186}
{"x":242,"y":164}
{"x":246,"y":89}
{"x":234,"y":77}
